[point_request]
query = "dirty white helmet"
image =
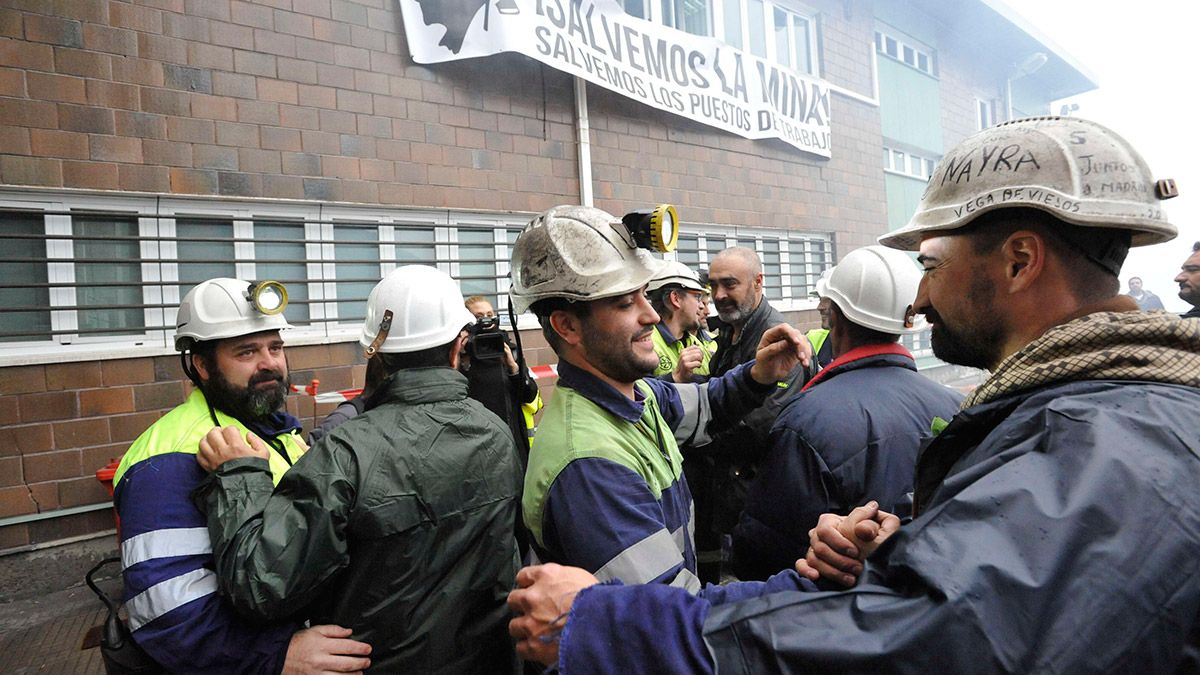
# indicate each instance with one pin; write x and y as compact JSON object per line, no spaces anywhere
{"x":677,"y":273}
{"x":578,"y":253}
{"x":225,"y":308}
{"x":874,"y":287}
{"x":1076,"y":170}
{"x":414,"y":307}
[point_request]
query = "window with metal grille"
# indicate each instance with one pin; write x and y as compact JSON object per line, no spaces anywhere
{"x":98,"y":276}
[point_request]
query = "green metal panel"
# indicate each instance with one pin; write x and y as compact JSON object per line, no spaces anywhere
{"x":903,"y":195}
{"x":909,"y":106}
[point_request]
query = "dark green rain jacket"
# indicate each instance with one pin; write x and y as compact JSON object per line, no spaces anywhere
{"x":398,"y":525}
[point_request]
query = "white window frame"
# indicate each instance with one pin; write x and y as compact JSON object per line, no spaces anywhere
{"x":885,"y":39}
{"x":159,"y":261}
{"x":798,"y":256}
{"x":915,"y":165}
{"x":985,"y":113}
{"x":716,"y":25}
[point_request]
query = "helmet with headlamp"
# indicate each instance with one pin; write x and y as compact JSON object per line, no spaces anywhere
{"x":223,"y":308}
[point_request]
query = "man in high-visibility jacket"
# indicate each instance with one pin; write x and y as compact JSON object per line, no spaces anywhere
{"x":682,"y":356}
{"x":232,"y":352}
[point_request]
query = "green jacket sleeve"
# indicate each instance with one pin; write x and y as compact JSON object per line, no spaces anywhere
{"x":274,"y":550}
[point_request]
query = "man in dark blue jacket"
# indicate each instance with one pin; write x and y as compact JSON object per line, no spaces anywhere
{"x":852,"y":433}
{"x":1057,"y":521}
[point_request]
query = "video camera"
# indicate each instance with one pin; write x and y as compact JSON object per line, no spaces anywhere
{"x":485,"y":340}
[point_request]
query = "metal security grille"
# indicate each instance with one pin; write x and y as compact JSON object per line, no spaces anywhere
{"x":91,"y":271}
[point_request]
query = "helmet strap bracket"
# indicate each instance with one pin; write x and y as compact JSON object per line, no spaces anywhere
{"x":385,"y":326}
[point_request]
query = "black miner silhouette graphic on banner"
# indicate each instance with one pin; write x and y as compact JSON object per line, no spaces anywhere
{"x":457,"y":15}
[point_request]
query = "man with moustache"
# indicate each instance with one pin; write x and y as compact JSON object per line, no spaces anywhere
{"x":1189,"y":283}
{"x":1056,"y":518}
{"x":604,"y":489}
{"x":721,"y":472}
{"x":233,"y":354}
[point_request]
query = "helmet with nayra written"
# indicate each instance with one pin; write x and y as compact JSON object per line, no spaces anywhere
{"x":675,"y":273}
{"x":414,"y":307}
{"x":577,"y":253}
{"x":224,"y":308}
{"x":1080,"y":172}
{"x":875,"y":286}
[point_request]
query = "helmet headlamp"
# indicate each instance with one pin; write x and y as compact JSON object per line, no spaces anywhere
{"x":268,"y":297}
{"x":656,"y":229}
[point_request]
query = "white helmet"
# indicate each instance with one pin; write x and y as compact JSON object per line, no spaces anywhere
{"x":414,"y":307}
{"x":1078,"y":171}
{"x":677,"y":273}
{"x":874,"y":287}
{"x":578,"y":253}
{"x":222,"y":308}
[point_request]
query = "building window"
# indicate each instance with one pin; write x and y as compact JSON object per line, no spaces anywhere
{"x":909,"y":164}
{"x":108,"y":277}
{"x":906,"y":51}
{"x":770,"y":29}
{"x":24,"y":277}
{"x":792,"y":262}
{"x":987,"y":114}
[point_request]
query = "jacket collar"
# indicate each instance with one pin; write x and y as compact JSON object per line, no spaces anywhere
{"x":866,"y":356}
{"x":426,"y":385}
{"x":600,"y":392}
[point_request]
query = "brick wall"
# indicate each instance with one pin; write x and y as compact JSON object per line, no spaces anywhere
{"x":311,"y":99}
{"x":59,"y":423}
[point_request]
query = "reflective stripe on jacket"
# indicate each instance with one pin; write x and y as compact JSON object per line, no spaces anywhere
{"x":170,"y":588}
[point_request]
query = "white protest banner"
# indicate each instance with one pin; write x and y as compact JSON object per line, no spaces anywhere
{"x":700,"y":78}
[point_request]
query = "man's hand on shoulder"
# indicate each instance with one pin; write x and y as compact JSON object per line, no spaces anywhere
{"x":223,"y":444}
{"x":325,"y":649}
{"x":779,"y":350}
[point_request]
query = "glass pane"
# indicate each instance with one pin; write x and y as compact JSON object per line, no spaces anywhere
{"x":108,"y":275}
{"x":16,"y":323}
{"x":783,"y":45}
{"x":635,"y":7}
{"x":887,"y":158}
{"x":922,"y":62}
{"x":898,"y":161}
{"x":356,"y":252}
{"x":772,"y":272}
{"x":733,"y":22}
{"x":878,"y":41}
{"x":202,"y":260}
{"x":667,"y":9}
{"x":688,"y":251}
{"x":477,"y":264}
{"x":693,"y":15}
{"x":910,"y":56}
{"x":414,"y":245}
{"x":279,"y":252}
{"x":756,"y":22}
{"x":889,"y":46}
{"x":929,"y":165}
{"x":803,"y":53}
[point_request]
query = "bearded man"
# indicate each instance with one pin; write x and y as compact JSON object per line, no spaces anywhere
{"x":232,"y":352}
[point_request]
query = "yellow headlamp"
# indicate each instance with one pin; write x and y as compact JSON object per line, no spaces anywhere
{"x":268,"y":297}
{"x":656,"y":229}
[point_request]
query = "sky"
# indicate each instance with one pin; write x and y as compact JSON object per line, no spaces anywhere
{"x":1144,"y":56}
